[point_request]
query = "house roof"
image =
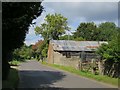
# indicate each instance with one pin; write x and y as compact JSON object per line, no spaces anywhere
{"x":70,"y":45}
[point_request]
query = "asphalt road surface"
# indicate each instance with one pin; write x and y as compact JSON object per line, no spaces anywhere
{"x":35,"y":75}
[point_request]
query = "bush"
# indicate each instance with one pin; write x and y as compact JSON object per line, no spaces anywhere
{"x":14,"y":63}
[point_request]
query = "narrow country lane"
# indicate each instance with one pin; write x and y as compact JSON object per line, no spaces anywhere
{"x":35,"y":75}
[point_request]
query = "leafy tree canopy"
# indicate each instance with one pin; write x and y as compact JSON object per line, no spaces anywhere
{"x":16,"y":18}
{"x":106,"y":30}
{"x":23,"y":53}
{"x":54,"y":26}
{"x":89,"y":31}
{"x":86,"y":31}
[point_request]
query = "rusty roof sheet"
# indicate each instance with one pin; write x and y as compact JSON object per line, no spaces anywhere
{"x":70,"y":45}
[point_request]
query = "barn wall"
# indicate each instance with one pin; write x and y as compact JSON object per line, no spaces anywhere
{"x":62,"y":60}
{"x":72,"y":61}
{"x":56,"y":57}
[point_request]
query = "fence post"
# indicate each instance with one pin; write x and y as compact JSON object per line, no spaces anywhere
{"x":81,"y":60}
{"x":93,"y":66}
{"x":100,"y":67}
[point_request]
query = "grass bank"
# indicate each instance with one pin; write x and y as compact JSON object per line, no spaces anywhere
{"x":105,"y":79}
{"x":12,"y":81}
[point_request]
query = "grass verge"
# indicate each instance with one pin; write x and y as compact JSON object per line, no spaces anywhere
{"x":12,"y":81}
{"x":101,"y":78}
{"x":14,"y":63}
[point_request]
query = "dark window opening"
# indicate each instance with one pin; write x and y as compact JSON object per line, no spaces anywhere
{"x":68,"y":55}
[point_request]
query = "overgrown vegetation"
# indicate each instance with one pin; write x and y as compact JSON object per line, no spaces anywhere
{"x":12,"y":81}
{"x":110,"y":54}
{"x":105,"y":79}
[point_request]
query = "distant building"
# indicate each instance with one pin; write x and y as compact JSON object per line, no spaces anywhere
{"x":69,"y":52}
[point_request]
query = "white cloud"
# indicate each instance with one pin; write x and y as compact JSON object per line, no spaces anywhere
{"x":89,"y":10}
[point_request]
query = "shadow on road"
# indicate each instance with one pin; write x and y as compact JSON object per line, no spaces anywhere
{"x":38,"y":79}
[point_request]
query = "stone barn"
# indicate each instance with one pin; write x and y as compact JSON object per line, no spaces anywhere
{"x":70,"y":53}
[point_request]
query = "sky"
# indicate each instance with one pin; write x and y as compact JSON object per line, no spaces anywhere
{"x":76,"y":13}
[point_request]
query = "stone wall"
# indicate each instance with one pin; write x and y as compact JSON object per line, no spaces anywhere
{"x":56,"y":57}
{"x":73,"y":61}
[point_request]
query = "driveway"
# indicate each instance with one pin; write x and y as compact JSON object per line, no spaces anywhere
{"x":35,"y":75}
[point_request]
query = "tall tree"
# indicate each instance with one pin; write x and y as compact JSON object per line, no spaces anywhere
{"x":89,"y":31}
{"x":106,"y":30}
{"x":16,"y":18}
{"x":54,"y":26}
{"x":86,"y":31}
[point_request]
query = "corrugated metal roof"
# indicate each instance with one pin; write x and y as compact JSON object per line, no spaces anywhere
{"x":70,"y":45}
